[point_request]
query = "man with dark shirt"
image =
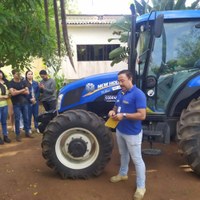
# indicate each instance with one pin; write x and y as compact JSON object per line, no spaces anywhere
{"x":19,"y":92}
{"x":48,"y":91}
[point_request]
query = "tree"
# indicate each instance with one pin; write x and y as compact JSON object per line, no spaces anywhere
{"x":26,"y":33}
{"x":23,"y":33}
{"x":122,"y":30}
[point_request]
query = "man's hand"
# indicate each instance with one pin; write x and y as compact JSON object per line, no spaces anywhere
{"x":111,"y":113}
{"x":25,"y":91}
{"x":41,"y":86}
{"x":118,"y":116}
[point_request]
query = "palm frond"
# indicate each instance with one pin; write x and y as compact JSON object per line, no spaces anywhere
{"x":195,"y":5}
{"x":119,"y":54}
{"x":180,"y":5}
{"x":122,"y":24}
{"x":140,"y":9}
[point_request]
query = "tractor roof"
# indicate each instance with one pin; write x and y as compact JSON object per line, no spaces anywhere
{"x":171,"y":15}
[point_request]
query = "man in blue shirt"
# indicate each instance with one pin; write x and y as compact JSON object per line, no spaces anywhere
{"x":130,"y":110}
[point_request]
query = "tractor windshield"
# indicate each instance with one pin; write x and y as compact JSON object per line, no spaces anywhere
{"x":174,"y":57}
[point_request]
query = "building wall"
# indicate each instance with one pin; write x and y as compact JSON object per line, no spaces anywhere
{"x":89,"y":34}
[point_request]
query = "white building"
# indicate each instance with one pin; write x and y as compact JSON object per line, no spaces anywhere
{"x":89,"y":35}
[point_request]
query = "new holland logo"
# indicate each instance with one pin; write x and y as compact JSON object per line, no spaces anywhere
{"x":90,"y":87}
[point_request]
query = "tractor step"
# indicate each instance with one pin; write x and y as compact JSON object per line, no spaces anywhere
{"x":151,"y":135}
{"x":152,"y":152}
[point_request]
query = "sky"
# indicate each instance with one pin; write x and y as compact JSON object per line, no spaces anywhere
{"x":106,"y":6}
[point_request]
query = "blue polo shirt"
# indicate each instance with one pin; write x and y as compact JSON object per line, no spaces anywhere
{"x":129,"y":102}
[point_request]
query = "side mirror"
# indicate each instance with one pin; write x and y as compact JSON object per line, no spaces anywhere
{"x":151,"y":82}
{"x":158,"y":26}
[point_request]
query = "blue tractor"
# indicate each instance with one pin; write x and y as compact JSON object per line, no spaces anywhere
{"x":164,"y":58}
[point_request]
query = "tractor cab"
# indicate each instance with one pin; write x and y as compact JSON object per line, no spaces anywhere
{"x":167,"y":57}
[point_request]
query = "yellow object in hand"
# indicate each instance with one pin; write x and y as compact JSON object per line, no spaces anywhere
{"x":111,"y":123}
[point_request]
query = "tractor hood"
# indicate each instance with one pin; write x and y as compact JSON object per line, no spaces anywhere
{"x":87,"y":90}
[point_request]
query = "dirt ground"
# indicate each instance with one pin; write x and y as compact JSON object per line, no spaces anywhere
{"x":24,"y":175}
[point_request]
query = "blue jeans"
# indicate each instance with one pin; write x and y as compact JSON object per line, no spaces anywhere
{"x":130,"y":145}
{"x":24,"y":110}
{"x":33,"y":110}
{"x":3,"y":119}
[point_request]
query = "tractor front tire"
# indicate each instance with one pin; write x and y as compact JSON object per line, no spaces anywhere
{"x":77,"y":145}
{"x":188,"y":129}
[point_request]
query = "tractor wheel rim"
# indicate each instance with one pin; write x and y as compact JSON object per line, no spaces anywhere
{"x":77,"y":148}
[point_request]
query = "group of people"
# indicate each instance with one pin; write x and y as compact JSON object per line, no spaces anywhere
{"x":20,"y":97}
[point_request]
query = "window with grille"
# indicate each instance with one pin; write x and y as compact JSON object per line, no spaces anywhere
{"x":95,"y":52}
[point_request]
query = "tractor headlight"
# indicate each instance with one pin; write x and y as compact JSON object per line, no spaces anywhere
{"x":59,"y":101}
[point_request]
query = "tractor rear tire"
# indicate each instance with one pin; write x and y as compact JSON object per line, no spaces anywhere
{"x":77,"y":145}
{"x":188,"y":129}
